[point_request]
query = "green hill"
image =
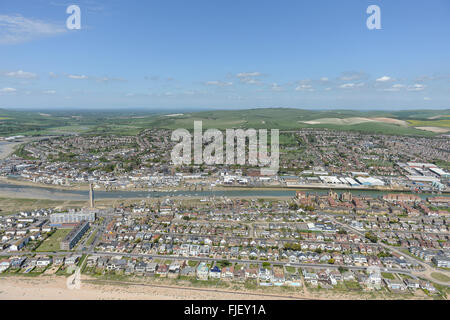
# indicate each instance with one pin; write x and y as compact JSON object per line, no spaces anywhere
{"x":129,"y":123}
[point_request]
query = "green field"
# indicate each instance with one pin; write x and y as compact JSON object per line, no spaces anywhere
{"x":388,"y":275}
{"x":440,"y":276}
{"x":430,"y":123}
{"x":53,"y":242}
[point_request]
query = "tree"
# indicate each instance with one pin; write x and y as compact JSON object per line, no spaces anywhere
{"x":342,"y":269}
{"x":371,"y":236}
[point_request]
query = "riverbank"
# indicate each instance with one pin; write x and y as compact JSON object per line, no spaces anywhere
{"x":6,"y":148}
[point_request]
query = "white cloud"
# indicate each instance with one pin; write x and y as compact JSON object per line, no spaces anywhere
{"x":351,"y":76}
{"x":249,"y":74}
{"x":18,"y":29}
{"x":304,"y":87}
{"x":218,"y":83}
{"x":417,"y":87}
{"x":324,"y":79}
{"x":427,"y":98}
{"x":8,"y":90}
{"x":20,"y":74}
{"x":394,"y":88}
{"x":351,"y":85}
{"x":249,"y":77}
{"x":77,"y":77}
{"x":276,"y":87}
{"x":52,"y":75}
{"x":250,"y":81}
{"x":108,"y":79}
{"x":384,"y":79}
{"x":49,"y":92}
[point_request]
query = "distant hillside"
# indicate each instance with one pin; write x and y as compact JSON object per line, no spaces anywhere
{"x":413,"y":122}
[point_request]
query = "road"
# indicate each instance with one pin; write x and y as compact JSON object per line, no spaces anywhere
{"x":240,"y":261}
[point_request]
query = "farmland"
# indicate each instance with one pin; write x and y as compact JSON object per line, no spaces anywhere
{"x":131,"y":123}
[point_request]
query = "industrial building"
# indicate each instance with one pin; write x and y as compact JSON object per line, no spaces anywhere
{"x":74,"y":236}
{"x":72,"y":217}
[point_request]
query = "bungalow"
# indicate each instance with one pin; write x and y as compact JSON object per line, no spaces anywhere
{"x":227,"y":272}
{"x":116,"y":264}
{"x":278,"y":275}
{"x":91,"y":261}
{"x":412,"y":284}
{"x":348,"y":276}
{"x":425,"y":285}
{"x":202,"y":271}
{"x":43,"y":262}
{"x":251,"y":273}
{"x":4,"y":264}
{"x":373,"y":281}
{"x":162,"y":270}
{"x":293,"y":258}
{"x":293,"y":280}
{"x":17,"y":262}
{"x":72,"y":260}
{"x":323,"y":276}
{"x":174,"y":267}
{"x":151,"y":267}
{"x":102,"y":261}
{"x":58,"y":260}
{"x":239,"y":275}
{"x":140,"y":267}
{"x":264,"y":274}
{"x":187,"y":271}
{"x":359,"y":258}
{"x":215,"y":273}
{"x":335,"y":274}
{"x":310,"y":276}
{"x":19,"y":244}
{"x":395,"y":284}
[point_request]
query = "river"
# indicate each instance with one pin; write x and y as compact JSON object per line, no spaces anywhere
{"x":38,"y":192}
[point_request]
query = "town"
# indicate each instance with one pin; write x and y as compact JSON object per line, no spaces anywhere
{"x":396,"y":243}
{"x":308,"y":159}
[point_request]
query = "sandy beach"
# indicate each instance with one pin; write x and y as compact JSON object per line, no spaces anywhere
{"x":54,"y":288}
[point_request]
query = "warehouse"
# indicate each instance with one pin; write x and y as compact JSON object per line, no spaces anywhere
{"x":369,"y":181}
{"x":72,"y":217}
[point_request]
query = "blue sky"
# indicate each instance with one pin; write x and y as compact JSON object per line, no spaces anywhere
{"x":313,"y":54}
